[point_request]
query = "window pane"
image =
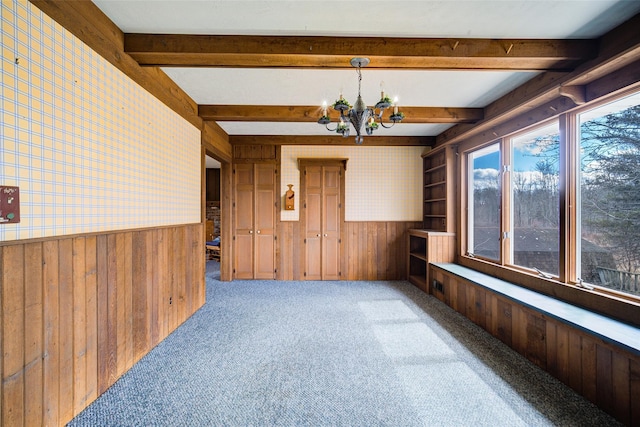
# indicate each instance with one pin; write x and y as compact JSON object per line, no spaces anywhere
{"x":535,"y":199}
{"x":610,"y":195}
{"x":484,"y":202}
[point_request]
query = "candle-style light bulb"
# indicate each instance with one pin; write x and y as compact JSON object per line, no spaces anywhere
{"x":381,"y":89}
{"x":324,"y":108}
{"x":395,"y":105}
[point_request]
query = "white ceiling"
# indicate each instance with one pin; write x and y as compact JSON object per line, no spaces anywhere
{"x":211,"y":163}
{"x":558,"y":19}
{"x":470,"y":18}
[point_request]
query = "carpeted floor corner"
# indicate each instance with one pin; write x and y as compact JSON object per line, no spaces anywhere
{"x":270,"y":353}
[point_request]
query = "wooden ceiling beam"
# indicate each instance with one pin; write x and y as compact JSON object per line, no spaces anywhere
{"x":295,"y":113}
{"x":335,"y":52}
{"x":216,"y":141}
{"x":388,"y":141}
{"x":619,"y":49}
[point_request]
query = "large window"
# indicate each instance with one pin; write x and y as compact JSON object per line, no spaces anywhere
{"x":562,"y":202}
{"x":609,"y":248}
{"x":484,"y":202}
{"x":535,"y":235}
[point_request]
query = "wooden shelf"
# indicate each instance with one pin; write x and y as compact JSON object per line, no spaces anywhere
{"x":425,"y":247}
{"x":433,"y":184}
{"x":435,"y":168}
{"x":438,"y":207}
{"x":419,"y":256}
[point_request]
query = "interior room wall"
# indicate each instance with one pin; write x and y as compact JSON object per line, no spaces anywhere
{"x":89,"y":148}
{"x":382,"y":183}
{"x":108,"y":257}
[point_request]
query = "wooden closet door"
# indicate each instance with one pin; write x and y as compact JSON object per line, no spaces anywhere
{"x":322,"y":192}
{"x":255,"y":221}
{"x":265,"y":221}
{"x":244,"y":221}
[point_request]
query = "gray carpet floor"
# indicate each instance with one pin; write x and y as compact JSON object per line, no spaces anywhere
{"x":267,"y":353}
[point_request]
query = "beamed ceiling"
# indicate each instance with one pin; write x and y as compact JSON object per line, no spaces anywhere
{"x":260,"y":70}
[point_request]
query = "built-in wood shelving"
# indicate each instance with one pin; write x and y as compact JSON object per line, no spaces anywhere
{"x":425,"y":247}
{"x":438,"y":189}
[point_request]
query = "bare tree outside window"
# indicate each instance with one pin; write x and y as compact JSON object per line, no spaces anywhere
{"x":536,"y":199}
{"x":484,"y":202}
{"x":610,"y":195}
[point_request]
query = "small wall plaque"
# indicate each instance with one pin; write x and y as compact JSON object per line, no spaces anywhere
{"x":289,"y":199}
{"x":9,"y":205}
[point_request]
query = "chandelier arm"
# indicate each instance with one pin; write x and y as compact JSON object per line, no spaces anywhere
{"x":385,"y":126}
{"x":331,"y":130}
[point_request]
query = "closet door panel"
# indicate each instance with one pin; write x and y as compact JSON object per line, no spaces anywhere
{"x":313,"y":245}
{"x":331,"y":237}
{"x":265,"y":222}
{"x":264,"y":259}
{"x":244,"y":256}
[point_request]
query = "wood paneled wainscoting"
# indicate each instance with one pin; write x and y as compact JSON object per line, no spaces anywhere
{"x":370,"y":250}
{"x":594,"y":365}
{"x":77,"y":312}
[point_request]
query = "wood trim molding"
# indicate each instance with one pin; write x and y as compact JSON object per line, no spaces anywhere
{"x":521,"y":121}
{"x":387,"y":141}
{"x":94,"y":233}
{"x":304,"y":161}
{"x":226,"y":222}
{"x":569,"y":188}
{"x":618,"y":48}
{"x":575,"y":93}
{"x":216,"y":141}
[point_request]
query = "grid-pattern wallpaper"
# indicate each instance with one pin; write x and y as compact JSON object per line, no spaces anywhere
{"x":89,"y":148}
{"x":382,"y":183}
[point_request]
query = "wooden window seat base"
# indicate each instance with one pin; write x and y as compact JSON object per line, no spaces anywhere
{"x":597,"y":356}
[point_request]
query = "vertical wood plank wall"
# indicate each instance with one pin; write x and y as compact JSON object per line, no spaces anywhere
{"x":78,"y":312}
{"x":370,"y":250}
{"x":606,"y":375}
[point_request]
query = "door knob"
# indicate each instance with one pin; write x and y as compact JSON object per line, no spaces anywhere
{"x":250,"y":231}
{"x":318,"y":235}
{"x":258,"y":231}
{"x":325,"y":234}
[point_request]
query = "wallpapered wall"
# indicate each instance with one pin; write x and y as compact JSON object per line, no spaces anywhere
{"x":89,"y":148}
{"x":382,"y":183}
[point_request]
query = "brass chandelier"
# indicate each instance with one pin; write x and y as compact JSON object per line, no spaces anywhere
{"x":360,"y":116}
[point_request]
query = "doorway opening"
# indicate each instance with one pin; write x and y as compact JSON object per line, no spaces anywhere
{"x":213,"y":218}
